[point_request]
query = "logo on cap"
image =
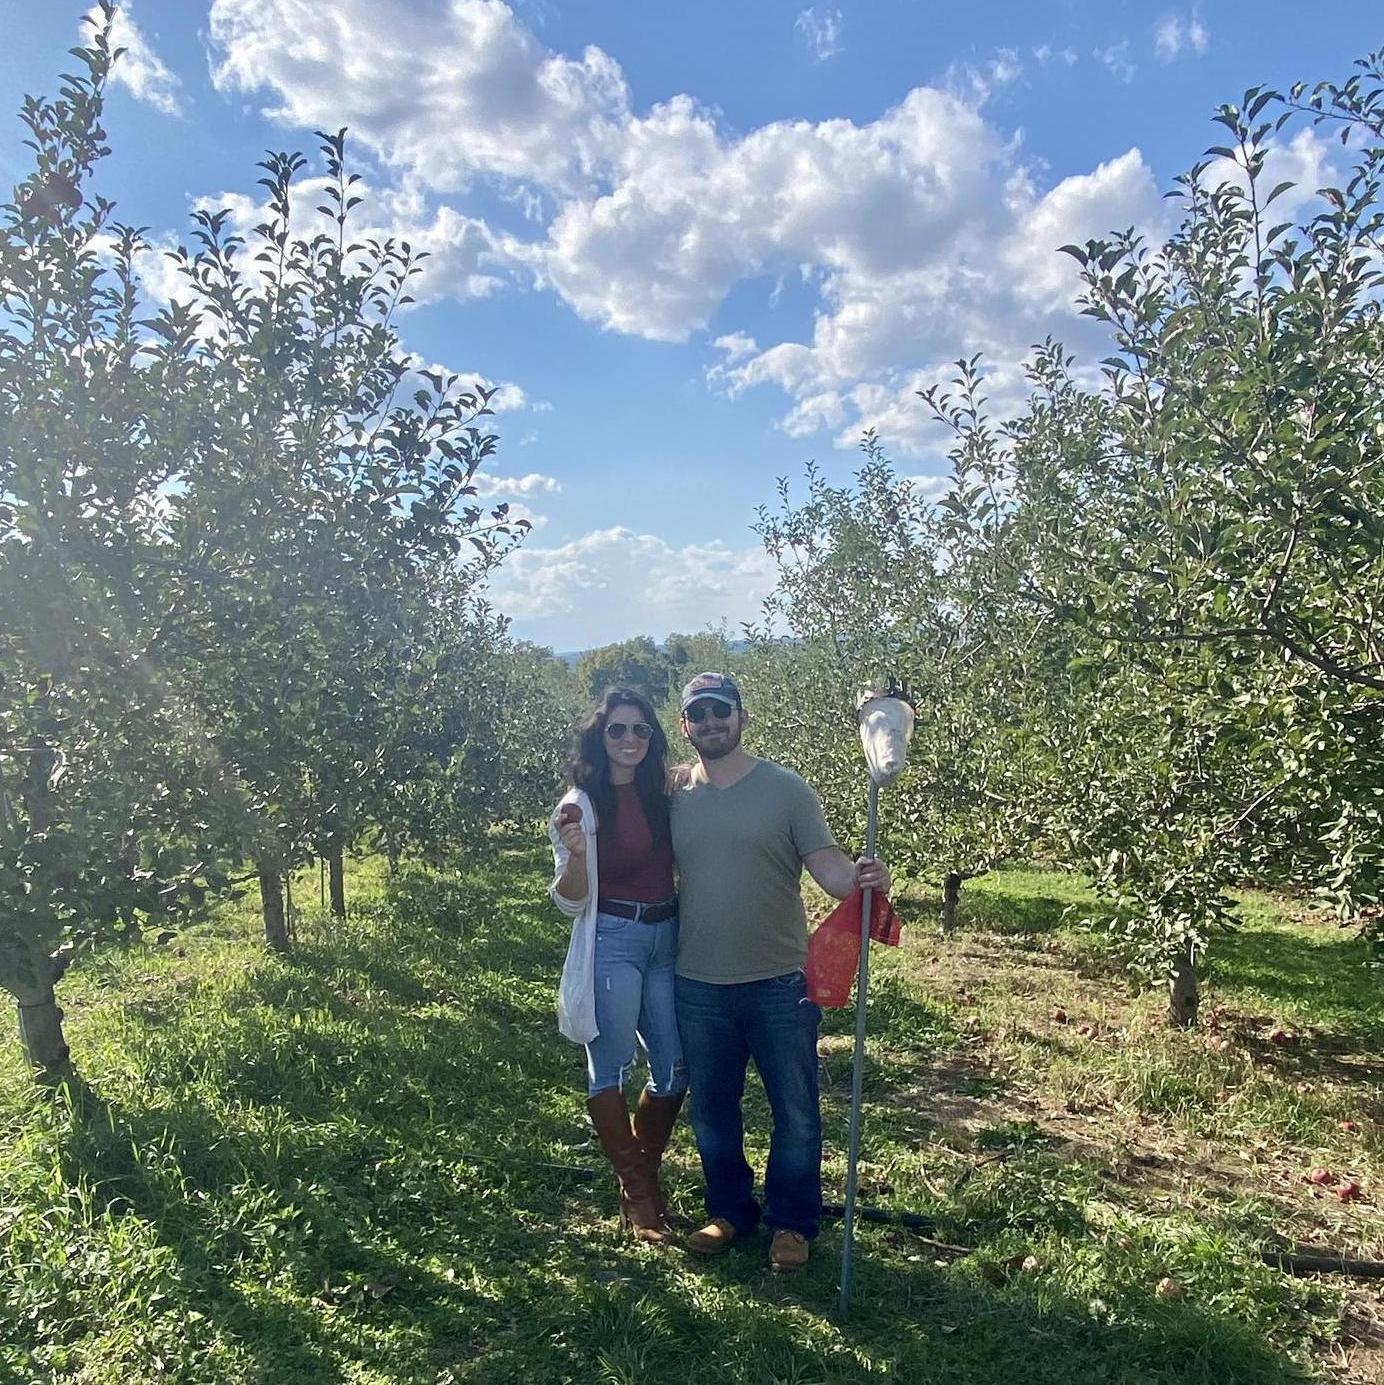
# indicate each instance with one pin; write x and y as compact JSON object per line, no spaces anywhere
{"x":710,"y":685}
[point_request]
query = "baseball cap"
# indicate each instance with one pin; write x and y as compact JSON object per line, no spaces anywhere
{"x":710,"y":685}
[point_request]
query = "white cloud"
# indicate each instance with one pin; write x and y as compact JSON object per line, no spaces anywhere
{"x":516,"y":510}
{"x":507,"y":398}
{"x":159,"y":274}
{"x":736,"y":345}
{"x":612,"y":584}
{"x":693,"y":214}
{"x":1304,"y":161}
{"x":1045,"y":53}
{"x":976,"y":83}
{"x":821,"y":32}
{"x":1119,"y":193}
{"x":1174,"y":34}
{"x":1116,"y":60}
{"x":929,"y":488}
{"x":1005,"y":67}
{"x":465,"y":258}
{"x":139,"y":69}
{"x":883,"y":336}
{"x":534,"y":483}
{"x":921,"y":233}
{"x":445,"y":91}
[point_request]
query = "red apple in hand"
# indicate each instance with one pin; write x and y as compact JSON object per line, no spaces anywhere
{"x":570,"y":812}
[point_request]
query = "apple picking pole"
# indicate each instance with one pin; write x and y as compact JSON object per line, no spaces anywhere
{"x":862,"y":983}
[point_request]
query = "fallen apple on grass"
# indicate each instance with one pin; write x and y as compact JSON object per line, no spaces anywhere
{"x":1348,"y":1190}
{"x":1320,"y":1176}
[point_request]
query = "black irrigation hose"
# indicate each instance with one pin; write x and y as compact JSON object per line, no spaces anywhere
{"x":1331,"y":1263}
{"x":914,"y":1221}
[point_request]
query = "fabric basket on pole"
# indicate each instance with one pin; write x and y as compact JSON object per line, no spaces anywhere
{"x":833,"y":951}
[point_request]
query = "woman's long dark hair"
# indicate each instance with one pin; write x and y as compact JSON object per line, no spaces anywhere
{"x":591,"y":764}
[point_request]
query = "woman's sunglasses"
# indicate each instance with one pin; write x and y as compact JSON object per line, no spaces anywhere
{"x":708,"y":706}
{"x":617,"y":730}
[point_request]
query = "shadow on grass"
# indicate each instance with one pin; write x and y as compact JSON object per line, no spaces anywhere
{"x":531,"y":1298}
{"x":298,"y":1140}
{"x":1013,"y":904}
{"x":1328,"y":978}
{"x":915,"y":1324}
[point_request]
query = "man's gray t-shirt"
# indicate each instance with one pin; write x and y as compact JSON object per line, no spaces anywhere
{"x":739,"y":853}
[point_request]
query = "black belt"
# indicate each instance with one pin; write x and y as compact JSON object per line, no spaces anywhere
{"x":640,"y":913}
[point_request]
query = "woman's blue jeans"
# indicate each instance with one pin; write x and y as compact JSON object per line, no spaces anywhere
{"x":634,"y":1005}
{"x":775,"y":1024}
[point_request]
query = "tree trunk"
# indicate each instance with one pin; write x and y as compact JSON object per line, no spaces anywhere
{"x":290,"y":912}
{"x":40,"y":1031}
{"x":1184,"y":996}
{"x":36,"y":973}
{"x":951,"y":895}
{"x":337,"y":867}
{"x":40,"y":1019}
{"x":272,"y":903}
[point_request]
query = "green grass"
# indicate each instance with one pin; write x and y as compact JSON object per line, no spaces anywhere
{"x":366,"y":1163}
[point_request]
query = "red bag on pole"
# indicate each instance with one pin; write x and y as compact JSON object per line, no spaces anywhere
{"x":833,"y":951}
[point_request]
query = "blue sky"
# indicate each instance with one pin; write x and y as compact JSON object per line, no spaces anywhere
{"x":698,"y":245}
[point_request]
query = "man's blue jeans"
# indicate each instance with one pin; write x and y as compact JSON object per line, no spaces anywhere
{"x":775,"y":1024}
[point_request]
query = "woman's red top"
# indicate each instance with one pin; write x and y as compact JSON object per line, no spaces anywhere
{"x":628,"y":864}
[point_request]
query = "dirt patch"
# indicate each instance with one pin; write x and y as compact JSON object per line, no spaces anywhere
{"x":1043,"y":1023}
{"x":1356,"y":1357}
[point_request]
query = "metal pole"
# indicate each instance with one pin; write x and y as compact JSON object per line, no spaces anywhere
{"x":862,"y":982}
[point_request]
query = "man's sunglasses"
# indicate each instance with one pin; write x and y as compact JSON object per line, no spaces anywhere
{"x":708,"y":706}
{"x":617,"y":730}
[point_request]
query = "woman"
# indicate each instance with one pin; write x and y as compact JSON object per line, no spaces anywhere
{"x":614,"y":878}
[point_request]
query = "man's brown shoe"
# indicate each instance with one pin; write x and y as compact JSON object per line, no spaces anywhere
{"x":713,"y":1238}
{"x":788,"y":1250}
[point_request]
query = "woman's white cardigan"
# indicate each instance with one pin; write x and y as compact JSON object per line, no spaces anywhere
{"x":576,"y":992}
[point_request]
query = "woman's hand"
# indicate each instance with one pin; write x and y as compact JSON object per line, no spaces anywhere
{"x":569,"y":829}
{"x":572,"y":884}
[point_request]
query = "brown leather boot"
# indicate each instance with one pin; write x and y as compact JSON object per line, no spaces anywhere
{"x":654,"y":1119}
{"x":610,"y":1115}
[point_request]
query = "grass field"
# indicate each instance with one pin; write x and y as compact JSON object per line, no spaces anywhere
{"x":368,"y":1163}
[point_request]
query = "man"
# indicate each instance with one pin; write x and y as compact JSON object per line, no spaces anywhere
{"x":743,"y":829}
